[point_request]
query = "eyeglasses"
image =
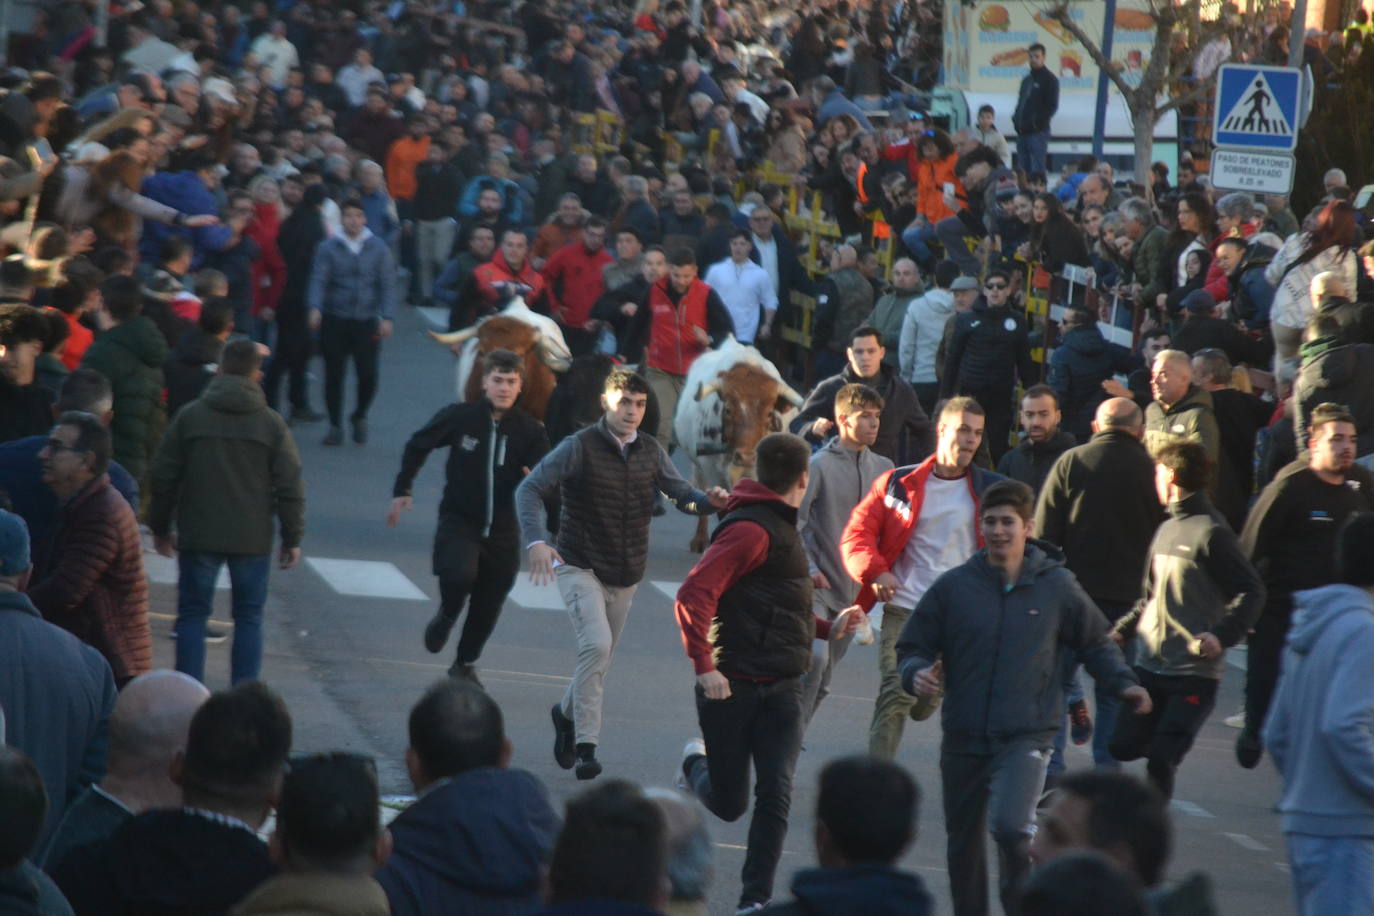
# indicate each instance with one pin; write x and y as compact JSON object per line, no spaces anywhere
{"x":57,"y":445}
{"x":994,"y":286}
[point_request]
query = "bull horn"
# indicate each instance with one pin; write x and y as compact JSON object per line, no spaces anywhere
{"x":455,"y":337}
{"x":552,"y":355}
{"x":790,"y":394}
{"x":706,"y":390}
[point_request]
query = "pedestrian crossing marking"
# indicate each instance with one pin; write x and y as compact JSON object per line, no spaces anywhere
{"x":533,"y":597}
{"x":1247,"y":842}
{"x":164,"y":571}
{"x":666,"y":588}
{"x":1256,"y":111}
{"x":366,"y":579}
{"x":437,"y":317}
{"x":1188,"y":807}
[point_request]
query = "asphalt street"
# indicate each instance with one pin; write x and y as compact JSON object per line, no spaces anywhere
{"x":344,"y":648}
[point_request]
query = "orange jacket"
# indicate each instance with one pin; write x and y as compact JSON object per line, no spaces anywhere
{"x":405,"y":154}
{"x":929,"y":177}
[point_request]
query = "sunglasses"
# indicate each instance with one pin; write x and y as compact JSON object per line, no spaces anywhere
{"x":994,"y":286}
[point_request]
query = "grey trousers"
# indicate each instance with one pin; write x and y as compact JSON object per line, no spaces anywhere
{"x":598,"y":614}
{"x":825,"y":655}
{"x":667,"y":389}
{"x":994,"y":791}
{"x":433,"y":242}
{"x":894,"y":704}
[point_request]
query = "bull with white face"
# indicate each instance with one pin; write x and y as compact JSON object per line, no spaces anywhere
{"x":534,"y":337}
{"x":732,"y":398}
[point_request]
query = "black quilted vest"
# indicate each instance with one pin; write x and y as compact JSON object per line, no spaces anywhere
{"x":604,"y":525}
{"x":764,"y":626}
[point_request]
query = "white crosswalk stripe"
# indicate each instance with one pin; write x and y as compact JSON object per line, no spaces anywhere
{"x":533,"y":597}
{"x":668,"y":589}
{"x":163,"y":570}
{"x":366,"y":579}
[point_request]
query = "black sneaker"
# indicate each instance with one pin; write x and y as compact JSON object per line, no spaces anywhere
{"x":437,"y":630}
{"x":588,"y":767}
{"x":1081,"y":723}
{"x":465,"y":671}
{"x":1249,"y":751}
{"x":564,"y":749}
{"x":304,"y":415}
{"x":335,"y":436}
{"x":360,"y":430}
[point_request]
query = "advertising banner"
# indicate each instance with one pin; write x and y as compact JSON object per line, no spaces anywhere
{"x":985,"y":44}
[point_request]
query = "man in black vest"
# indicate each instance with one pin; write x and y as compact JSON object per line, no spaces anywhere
{"x":609,"y":475}
{"x":753,"y":581}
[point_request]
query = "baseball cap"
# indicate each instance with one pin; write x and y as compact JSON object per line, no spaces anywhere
{"x":14,"y":544}
{"x":963,"y":283}
{"x":1199,"y":300}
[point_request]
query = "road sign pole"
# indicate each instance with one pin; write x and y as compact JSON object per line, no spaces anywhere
{"x":1100,"y":117}
{"x":1296,"y":32}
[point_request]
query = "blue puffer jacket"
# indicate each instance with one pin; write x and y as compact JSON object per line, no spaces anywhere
{"x":358,"y":287}
{"x":187,"y":193}
{"x":512,"y":199}
{"x":1003,"y":650}
{"x":475,"y":844}
{"x":1078,"y":367}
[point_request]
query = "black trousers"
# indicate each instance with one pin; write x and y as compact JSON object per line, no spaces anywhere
{"x":996,"y":404}
{"x":291,"y":359}
{"x":1163,"y":737}
{"x":342,"y":339}
{"x":1262,"y":664}
{"x":477,"y":570}
{"x":761,"y":723}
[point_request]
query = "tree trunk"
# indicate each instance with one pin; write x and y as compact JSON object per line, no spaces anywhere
{"x":1143,"y":126}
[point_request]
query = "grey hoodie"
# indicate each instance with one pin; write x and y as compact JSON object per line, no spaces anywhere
{"x":839,"y":479}
{"x":1321,"y":723}
{"x":1003,"y":648}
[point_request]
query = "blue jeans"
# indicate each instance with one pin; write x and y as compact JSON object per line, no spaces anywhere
{"x":195,"y":599}
{"x":917,"y":240}
{"x":1073,"y":692}
{"x":1033,"y":151}
{"x":1332,"y":875}
{"x":951,"y":232}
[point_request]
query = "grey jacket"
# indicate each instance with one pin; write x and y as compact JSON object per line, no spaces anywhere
{"x":358,"y":287}
{"x":1320,"y":727}
{"x":839,"y":479}
{"x":923,"y":328}
{"x":1003,"y":649}
{"x":1198,"y":581}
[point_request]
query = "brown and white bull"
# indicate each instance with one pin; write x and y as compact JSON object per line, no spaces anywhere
{"x":524,"y":332}
{"x":732,"y":398}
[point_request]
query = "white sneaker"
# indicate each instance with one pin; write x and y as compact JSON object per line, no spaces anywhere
{"x":1236,"y":721}
{"x":693,"y":748}
{"x":751,"y":908}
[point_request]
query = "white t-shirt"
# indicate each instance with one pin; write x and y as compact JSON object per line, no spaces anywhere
{"x":744,"y":288}
{"x":944,"y":538}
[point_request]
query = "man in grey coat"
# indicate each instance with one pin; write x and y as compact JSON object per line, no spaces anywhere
{"x":1004,"y":704}
{"x":841,"y":473}
{"x":351,"y":300}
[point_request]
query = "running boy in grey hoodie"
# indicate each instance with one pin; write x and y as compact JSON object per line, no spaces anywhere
{"x":1201,"y":597}
{"x":841,"y":473}
{"x":1319,"y":733}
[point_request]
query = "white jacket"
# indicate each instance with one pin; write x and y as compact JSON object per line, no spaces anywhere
{"x":922,"y":330}
{"x":1293,"y":288}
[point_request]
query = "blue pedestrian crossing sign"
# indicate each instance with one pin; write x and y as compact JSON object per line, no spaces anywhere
{"x":1257,"y":107}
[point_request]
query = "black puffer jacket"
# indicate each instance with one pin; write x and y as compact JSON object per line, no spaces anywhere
{"x":1030,"y":462}
{"x":1078,"y":367}
{"x":860,"y":890}
{"x":1343,"y":374}
{"x":987,"y":351}
{"x":191,"y":365}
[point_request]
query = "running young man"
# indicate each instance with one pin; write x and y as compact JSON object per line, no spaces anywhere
{"x":609,"y":475}
{"x":492,"y":445}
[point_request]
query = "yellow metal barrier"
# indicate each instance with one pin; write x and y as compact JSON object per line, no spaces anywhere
{"x":798,"y":328}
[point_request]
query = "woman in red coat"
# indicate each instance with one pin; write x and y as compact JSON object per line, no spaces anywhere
{"x":269,"y":271}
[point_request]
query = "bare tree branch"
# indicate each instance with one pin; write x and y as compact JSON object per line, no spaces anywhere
{"x":1060,"y":14}
{"x":1199,"y":92}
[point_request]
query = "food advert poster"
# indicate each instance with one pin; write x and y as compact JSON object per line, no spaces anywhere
{"x":985,"y":44}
